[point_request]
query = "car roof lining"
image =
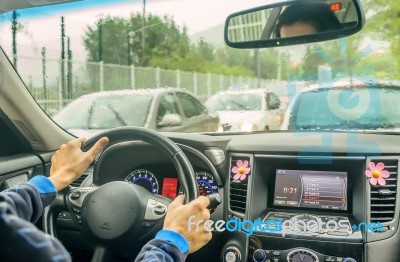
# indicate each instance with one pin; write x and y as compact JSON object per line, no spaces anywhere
{"x":11,"y":140}
{"x":7,"y":6}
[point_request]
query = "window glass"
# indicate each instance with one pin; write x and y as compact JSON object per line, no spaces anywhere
{"x":234,"y":102}
{"x":105,"y":112}
{"x":168,"y":105}
{"x":65,"y":53}
{"x":190,"y":106}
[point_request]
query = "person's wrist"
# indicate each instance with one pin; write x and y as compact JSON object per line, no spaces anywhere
{"x":175,"y":238}
{"x":176,"y":229}
{"x":43,"y":184}
{"x":60,"y":180}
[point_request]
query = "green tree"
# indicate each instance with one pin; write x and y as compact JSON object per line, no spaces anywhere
{"x":269,"y":63}
{"x":122,"y":39}
{"x":383,"y":22}
{"x":167,"y":46}
{"x":205,"y":50}
{"x":312,"y":59}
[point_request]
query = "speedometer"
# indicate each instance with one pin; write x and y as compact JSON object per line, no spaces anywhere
{"x":206,"y":183}
{"x":144,"y":178}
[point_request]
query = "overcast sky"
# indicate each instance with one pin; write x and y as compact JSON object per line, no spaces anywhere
{"x":42,"y":25}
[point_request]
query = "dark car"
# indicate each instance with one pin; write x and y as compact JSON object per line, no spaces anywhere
{"x":344,"y":105}
{"x":162,"y":109}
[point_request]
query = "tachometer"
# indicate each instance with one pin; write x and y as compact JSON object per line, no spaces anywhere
{"x":206,"y":183}
{"x":302,"y":255}
{"x":144,"y":178}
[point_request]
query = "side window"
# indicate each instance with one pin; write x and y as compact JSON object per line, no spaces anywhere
{"x":191,"y":106}
{"x":168,"y":105}
{"x":273,"y":101}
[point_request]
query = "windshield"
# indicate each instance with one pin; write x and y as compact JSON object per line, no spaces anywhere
{"x":68,"y":54}
{"x":104,"y":112}
{"x":234,"y":102}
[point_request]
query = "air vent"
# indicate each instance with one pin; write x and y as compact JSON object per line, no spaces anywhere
{"x":79,"y":181}
{"x":383,"y":198}
{"x":239,"y":173}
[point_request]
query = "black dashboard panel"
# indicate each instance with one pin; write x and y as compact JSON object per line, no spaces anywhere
{"x":17,"y":162}
{"x":19,"y":168}
{"x":317,"y":143}
{"x":131,"y":156}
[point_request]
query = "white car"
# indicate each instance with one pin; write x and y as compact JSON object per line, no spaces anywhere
{"x":246,"y":110}
{"x":159,"y":109}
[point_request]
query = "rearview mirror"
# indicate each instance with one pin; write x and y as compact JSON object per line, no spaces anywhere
{"x":294,"y":22}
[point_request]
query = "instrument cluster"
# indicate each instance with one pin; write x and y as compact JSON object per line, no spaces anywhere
{"x":169,"y":186}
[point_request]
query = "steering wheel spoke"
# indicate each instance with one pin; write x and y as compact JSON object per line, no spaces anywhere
{"x":103,"y":254}
{"x":156,"y":208}
{"x":74,"y":200}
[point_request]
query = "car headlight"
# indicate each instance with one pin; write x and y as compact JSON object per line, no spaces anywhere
{"x":247,"y":127}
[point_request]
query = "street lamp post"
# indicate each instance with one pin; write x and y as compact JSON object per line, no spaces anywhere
{"x":14,"y":28}
{"x":100,"y":39}
{"x":143,"y":33}
{"x":63,"y":91}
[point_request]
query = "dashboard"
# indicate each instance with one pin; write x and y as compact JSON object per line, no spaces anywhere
{"x":286,"y":197}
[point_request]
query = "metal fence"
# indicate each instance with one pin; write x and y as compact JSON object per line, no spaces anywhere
{"x":54,"y":84}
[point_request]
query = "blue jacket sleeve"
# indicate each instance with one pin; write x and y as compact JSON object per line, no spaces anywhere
{"x":27,"y":200}
{"x":19,"y":208}
{"x":168,"y":246}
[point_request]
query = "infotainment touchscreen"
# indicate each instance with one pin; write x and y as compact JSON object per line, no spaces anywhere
{"x":311,"y":189}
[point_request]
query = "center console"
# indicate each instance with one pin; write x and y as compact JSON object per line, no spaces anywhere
{"x":301,"y":209}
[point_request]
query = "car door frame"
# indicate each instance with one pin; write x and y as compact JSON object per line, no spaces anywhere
{"x":156,"y":106}
{"x":201,"y":118}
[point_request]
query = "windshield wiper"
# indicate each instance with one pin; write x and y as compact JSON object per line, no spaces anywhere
{"x":348,"y":126}
{"x":117,"y":115}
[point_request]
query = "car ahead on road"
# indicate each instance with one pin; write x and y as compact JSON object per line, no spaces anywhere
{"x":158,"y":109}
{"x":246,"y":110}
{"x":345,"y":105}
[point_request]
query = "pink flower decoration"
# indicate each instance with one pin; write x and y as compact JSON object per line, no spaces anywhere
{"x":377,"y":173}
{"x":241,"y":170}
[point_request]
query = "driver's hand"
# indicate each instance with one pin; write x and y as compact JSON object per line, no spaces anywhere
{"x":69,"y":162}
{"x":178,"y":216}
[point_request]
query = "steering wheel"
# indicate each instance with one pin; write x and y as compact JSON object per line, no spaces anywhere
{"x":118,"y":218}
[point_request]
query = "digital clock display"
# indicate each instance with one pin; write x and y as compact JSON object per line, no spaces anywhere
{"x":290,"y":190}
{"x":311,"y":189}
